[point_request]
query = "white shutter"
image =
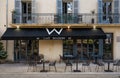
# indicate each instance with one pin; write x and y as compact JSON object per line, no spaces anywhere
{"x":18,"y":10}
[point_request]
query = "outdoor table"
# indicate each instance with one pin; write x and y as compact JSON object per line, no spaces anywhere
{"x":108,"y":62}
{"x":43,"y":70}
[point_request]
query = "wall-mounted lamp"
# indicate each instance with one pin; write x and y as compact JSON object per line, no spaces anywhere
{"x":94,"y":27}
{"x":17,"y":27}
{"x":68,"y":27}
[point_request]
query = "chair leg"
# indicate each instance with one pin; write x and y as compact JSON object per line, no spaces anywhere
{"x":103,"y":68}
{"x":55,"y":69}
{"x":49,"y":68}
{"x":90,"y":68}
{"x":116,"y":68}
{"x":96,"y":68}
{"x":71,"y":68}
{"x":83,"y":68}
{"x":65,"y":68}
{"x":28,"y":68}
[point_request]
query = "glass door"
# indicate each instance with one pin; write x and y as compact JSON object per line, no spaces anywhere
{"x":24,"y":48}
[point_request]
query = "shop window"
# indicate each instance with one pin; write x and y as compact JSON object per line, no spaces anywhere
{"x":24,"y":48}
{"x":108,"y":47}
{"x":68,"y":47}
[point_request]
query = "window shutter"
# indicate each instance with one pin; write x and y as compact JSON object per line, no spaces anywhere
{"x":75,"y":5}
{"x":75,"y":11}
{"x":59,"y":6}
{"x":116,"y":11}
{"x":100,"y":11}
{"x":59,"y":11}
{"x":18,"y":11}
{"x":33,"y":11}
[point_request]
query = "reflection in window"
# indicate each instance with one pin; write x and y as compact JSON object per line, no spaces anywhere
{"x":107,"y":11}
{"x":68,"y":47}
{"x":24,"y":48}
{"x":108,"y":46}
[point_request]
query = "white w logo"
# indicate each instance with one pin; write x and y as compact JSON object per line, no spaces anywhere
{"x":50,"y":32}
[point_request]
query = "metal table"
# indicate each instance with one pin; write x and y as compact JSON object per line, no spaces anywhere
{"x":108,"y":62}
{"x":43,"y":70}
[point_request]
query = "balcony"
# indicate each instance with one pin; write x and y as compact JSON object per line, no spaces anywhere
{"x":52,"y":18}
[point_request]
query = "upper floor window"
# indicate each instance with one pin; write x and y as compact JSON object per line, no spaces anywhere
{"x":26,"y":12}
{"x":107,"y":11}
{"x":67,"y":7}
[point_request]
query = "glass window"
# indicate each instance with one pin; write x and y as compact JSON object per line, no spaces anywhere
{"x":26,"y":12}
{"x":108,"y":47}
{"x":24,"y":48}
{"x":68,"y":47}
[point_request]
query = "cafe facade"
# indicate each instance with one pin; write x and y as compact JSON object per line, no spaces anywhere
{"x":77,"y":30}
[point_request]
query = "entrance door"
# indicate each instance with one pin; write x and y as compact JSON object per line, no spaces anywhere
{"x":24,"y":48}
{"x":88,"y":49}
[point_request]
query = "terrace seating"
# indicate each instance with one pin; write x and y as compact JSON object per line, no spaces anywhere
{"x":53,"y":64}
{"x":100,"y":64}
{"x":68,"y":64}
{"x":86,"y":64}
{"x":32,"y":63}
{"x":116,"y":64}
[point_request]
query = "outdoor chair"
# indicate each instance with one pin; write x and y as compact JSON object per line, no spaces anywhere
{"x":100,"y":64}
{"x":68,"y":64}
{"x":32,"y":64}
{"x":85,"y":65}
{"x":116,"y":64}
{"x":53,"y":64}
{"x":61,"y":58}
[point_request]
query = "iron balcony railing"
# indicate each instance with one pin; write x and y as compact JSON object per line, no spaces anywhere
{"x":51,"y":18}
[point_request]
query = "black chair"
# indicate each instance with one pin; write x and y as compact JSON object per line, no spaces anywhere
{"x":32,"y":64}
{"x":53,"y":64}
{"x":68,"y":64}
{"x":61,"y":58}
{"x":86,"y":64}
{"x":100,"y":64}
{"x":116,"y":64}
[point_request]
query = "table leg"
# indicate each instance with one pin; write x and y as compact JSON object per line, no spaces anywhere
{"x":43,"y":68}
{"x":76,"y":67}
{"x":108,"y":70}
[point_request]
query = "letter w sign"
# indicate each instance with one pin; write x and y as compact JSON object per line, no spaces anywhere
{"x":54,"y":30}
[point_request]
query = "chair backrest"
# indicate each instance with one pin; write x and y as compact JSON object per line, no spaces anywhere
{"x":52,"y":63}
{"x":116,"y":61}
{"x":61,"y":57}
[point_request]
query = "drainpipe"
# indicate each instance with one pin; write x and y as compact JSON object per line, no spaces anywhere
{"x":6,"y":22}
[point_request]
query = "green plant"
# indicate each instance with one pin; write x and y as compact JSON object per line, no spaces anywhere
{"x":3,"y":53}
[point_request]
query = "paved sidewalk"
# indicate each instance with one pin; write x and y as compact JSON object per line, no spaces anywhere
{"x":20,"y":71}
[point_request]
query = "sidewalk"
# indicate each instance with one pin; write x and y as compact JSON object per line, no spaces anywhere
{"x":20,"y":71}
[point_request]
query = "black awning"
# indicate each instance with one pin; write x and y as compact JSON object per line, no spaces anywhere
{"x":51,"y":33}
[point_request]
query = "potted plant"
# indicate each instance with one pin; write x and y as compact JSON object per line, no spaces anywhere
{"x":3,"y":53}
